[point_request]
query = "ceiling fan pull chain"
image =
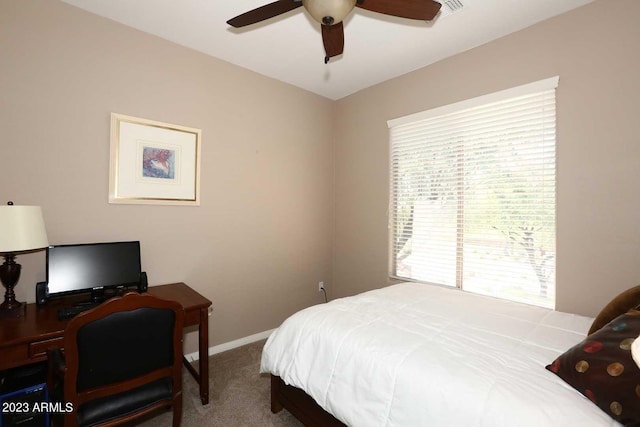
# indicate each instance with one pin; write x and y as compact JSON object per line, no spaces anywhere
{"x":326,"y":59}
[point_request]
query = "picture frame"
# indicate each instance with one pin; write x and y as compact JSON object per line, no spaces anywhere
{"x":153,"y":162}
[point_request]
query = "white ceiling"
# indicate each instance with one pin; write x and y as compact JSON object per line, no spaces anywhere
{"x":289,"y":47}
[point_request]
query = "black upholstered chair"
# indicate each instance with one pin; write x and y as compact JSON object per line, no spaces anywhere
{"x":122,"y":360}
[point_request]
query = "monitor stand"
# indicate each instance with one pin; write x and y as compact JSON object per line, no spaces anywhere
{"x":97,"y":297}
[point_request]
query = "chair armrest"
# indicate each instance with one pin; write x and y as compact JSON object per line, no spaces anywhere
{"x":56,"y":367}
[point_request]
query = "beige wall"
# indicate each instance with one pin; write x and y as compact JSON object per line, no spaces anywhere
{"x":261,"y":239}
{"x":594,"y":50}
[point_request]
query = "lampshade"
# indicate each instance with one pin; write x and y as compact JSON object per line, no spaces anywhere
{"x":21,"y":229}
{"x":336,"y":9}
{"x":635,"y":351}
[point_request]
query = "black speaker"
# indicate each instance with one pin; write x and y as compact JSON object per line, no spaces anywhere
{"x":41,"y":293}
{"x":143,"y":284}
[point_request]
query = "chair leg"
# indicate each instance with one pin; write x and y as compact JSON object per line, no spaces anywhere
{"x":177,"y":410}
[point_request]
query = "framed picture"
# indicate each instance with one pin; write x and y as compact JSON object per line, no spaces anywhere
{"x":153,"y":162}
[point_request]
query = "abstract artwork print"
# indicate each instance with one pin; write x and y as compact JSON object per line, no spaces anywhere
{"x":158,"y":163}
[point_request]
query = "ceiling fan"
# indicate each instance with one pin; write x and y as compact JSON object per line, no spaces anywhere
{"x":330,"y":13}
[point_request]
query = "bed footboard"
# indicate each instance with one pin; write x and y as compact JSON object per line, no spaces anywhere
{"x":300,"y":404}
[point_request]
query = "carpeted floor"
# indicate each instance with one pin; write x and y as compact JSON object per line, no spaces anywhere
{"x":238,"y":394}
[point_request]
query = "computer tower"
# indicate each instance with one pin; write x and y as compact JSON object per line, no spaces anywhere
{"x":24,"y":397}
{"x":25,"y":407}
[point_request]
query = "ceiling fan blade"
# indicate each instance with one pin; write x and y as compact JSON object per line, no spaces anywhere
{"x":333,"y":40}
{"x":424,"y":10}
{"x":264,"y":12}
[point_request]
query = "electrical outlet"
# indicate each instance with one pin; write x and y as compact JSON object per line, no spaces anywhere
{"x":320,"y":286}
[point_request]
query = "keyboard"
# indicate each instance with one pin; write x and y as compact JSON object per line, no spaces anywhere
{"x":67,"y":313}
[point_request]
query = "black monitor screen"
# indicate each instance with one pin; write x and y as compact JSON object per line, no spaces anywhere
{"x":83,"y":267}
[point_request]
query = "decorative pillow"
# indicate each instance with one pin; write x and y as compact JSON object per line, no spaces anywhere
{"x":617,"y":306}
{"x":602,"y":368}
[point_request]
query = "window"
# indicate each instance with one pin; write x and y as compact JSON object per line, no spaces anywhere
{"x":473,"y":190}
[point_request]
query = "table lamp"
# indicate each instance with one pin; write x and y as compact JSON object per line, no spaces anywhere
{"x":21,"y":230}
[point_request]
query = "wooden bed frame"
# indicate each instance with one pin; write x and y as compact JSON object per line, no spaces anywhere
{"x":300,"y":404}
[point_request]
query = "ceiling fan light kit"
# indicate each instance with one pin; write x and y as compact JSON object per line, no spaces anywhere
{"x":330,"y":13}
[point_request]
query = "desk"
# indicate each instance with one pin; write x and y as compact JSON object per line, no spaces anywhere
{"x":25,"y":340}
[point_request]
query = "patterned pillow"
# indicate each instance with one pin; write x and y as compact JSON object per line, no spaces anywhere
{"x":602,"y":368}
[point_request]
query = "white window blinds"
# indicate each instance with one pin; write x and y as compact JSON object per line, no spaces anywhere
{"x":473,"y":195}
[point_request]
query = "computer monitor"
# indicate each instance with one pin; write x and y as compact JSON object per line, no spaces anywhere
{"x":92,"y":268}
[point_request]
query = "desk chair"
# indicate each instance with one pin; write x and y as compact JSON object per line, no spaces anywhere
{"x":122,"y":360}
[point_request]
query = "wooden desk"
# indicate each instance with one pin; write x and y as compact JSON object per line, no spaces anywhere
{"x":24,"y":340}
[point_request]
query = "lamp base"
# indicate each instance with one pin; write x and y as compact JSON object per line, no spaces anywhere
{"x":9,"y":275}
{"x":17,"y":309}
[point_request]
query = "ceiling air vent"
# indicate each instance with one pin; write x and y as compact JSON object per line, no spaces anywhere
{"x":449,"y":7}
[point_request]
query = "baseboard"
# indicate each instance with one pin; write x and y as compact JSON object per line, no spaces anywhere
{"x":192,"y":357}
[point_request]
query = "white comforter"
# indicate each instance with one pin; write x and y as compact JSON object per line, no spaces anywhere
{"x":420,"y":355}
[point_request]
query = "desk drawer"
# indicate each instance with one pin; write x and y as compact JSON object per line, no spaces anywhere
{"x":39,"y":348}
{"x":12,"y":356}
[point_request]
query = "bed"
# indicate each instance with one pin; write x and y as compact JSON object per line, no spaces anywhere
{"x":414,"y":355}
